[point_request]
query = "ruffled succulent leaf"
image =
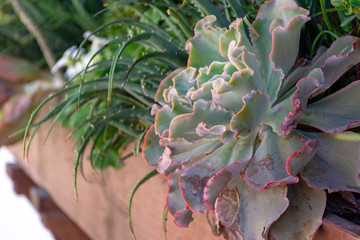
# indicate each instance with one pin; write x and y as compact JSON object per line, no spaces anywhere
{"x":250,"y":61}
{"x":342,"y":46}
{"x":217,"y":182}
{"x":184,"y":80}
{"x":214,"y":132}
{"x":166,"y":83}
{"x":181,"y":151}
{"x":269,"y":164}
{"x":204,"y":46}
{"x":277,"y":114}
{"x":235,"y":55}
{"x":195,"y":178}
{"x":171,"y":95}
{"x":336,"y":165}
{"x":303,"y":216}
{"x":184,"y":125}
{"x":183,"y":218}
{"x":219,"y":230}
{"x":174,"y":200}
{"x":175,"y":203}
{"x":235,"y":33}
{"x":193,"y":181}
{"x":299,"y":159}
{"x":151,"y":150}
{"x":256,"y":106}
{"x":261,"y":36}
{"x":212,"y":72}
{"x":276,"y":16}
{"x":163,"y":119}
{"x":165,"y":165}
{"x":164,"y":115}
{"x":336,"y":112}
{"x":336,"y":65}
{"x":230,"y":94}
{"x":305,"y":87}
{"x":204,"y":92}
{"x":286,"y":36}
{"x":241,"y":209}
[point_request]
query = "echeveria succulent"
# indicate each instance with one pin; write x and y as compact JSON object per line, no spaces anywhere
{"x":243,"y":131}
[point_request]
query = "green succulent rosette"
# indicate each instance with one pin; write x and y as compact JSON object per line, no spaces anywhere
{"x":243,"y":131}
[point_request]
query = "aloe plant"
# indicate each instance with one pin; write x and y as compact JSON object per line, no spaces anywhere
{"x":114,"y":85}
{"x":107,"y":100}
{"x":249,"y":131}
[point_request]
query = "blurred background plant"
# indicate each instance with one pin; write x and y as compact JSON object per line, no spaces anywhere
{"x":62,"y":22}
{"x":351,"y":10}
{"x":33,"y":34}
{"x":21,"y":86}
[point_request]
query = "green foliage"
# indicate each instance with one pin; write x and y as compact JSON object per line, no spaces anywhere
{"x":62,"y":22}
{"x":144,"y":42}
{"x":108,"y":98}
{"x":329,"y":22}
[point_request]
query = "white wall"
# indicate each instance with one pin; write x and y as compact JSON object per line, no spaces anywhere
{"x":18,"y":218}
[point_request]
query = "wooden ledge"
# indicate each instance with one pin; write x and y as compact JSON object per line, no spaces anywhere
{"x":22,"y":182}
{"x":336,"y":228}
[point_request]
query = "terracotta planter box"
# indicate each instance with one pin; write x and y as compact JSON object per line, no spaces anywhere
{"x":101,"y":208}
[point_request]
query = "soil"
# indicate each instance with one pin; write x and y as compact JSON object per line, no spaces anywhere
{"x":345,"y":205}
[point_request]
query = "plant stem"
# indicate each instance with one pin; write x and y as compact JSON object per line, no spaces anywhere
{"x":328,"y":10}
{"x":142,"y":181}
{"x":326,"y":17}
{"x":317,"y":39}
{"x":165,"y":214}
{"x":35,"y":31}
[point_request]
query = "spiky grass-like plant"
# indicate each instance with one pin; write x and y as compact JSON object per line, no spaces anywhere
{"x":32,"y":34}
{"x":116,"y":94}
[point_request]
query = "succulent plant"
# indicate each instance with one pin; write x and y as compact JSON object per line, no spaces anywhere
{"x":248,"y":131}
